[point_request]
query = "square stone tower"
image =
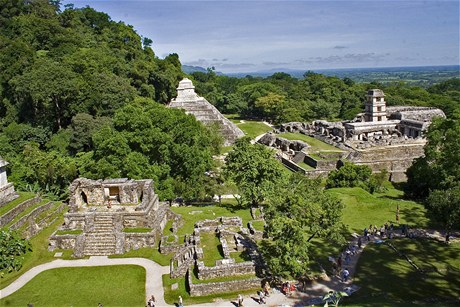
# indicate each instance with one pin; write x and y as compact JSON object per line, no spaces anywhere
{"x":375,"y":108}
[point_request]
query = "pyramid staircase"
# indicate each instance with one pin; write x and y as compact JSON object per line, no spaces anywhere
{"x":100,"y":241}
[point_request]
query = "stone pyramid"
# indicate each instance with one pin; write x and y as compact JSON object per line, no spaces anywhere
{"x":205,"y":112}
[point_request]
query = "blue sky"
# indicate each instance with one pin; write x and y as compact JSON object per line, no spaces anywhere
{"x":248,"y":36}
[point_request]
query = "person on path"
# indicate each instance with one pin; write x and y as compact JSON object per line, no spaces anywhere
{"x":345,"y":275}
{"x":181,"y":304}
{"x":261,"y":297}
{"x":360,"y":243}
{"x":151,"y":302}
{"x":339,"y":262}
{"x":240,"y":300}
{"x":267,"y":289}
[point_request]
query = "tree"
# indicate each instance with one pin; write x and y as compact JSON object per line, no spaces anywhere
{"x":12,"y":250}
{"x":444,"y":207}
{"x":351,"y":175}
{"x":297,"y":212}
{"x":439,"y":168}
{"x":254,"y":170}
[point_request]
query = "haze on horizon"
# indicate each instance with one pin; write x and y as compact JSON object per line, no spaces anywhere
{"x":249,"y":36}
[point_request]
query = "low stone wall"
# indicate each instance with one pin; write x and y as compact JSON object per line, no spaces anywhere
{"x":134,"y":241}
{"x":225,"y":269}
{"x":222,"y":287}
{"x":63,"y":241}
{"x":30,"y":217}
{"x":321,"y":164}
{"x":170,"y":247}
{"x":10,"y":215}
{"x":291,"y":165}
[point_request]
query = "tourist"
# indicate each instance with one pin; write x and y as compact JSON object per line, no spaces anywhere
{"x":347,"y":256}
{"x":261,"y":297}
{"x":240,"y":300}
{"x":267,"y":289}
{"x":359,"y":242}
{"x":339,"y":262}
{"x":181,"y":304}
{"x":345,"y":275}
{"x":151,"y":302}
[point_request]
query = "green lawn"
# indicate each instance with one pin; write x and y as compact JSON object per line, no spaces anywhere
{"x":148,"y":253}
{"x":171,"y":296}
{"x":23,"y":196}
{"x":305,"y":166}
{"x":212,"y":249}
{"x":315,"y":144}
{"x":193,"y":214}
{"x":85,"y":286}
{"x":362,"y":209}
{"x":137,"y":230}
{"x":254,"y":128}
{"x":389,"y":280}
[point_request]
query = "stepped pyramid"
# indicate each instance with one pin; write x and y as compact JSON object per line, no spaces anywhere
{"x":205,"y":112}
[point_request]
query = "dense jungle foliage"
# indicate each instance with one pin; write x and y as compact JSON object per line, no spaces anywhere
{"x":283,"y":98}
{"x":83,"y":95}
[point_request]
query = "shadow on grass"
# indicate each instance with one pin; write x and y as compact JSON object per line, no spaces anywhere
{"x":387,"y":278}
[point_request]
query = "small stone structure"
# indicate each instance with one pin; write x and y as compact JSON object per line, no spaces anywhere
{"x":205,"y":112}
{"x":382,"y":137}
{"x":7,"y":192}
{"x":233,"y":238}
{"x":103,"y":209}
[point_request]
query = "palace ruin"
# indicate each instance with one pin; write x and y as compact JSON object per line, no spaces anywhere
{"x":384,"y":138}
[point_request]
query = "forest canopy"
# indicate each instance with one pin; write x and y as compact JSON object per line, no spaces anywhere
{"x":83,"y":95}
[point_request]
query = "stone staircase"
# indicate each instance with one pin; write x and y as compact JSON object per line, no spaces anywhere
{"x":101,"y":240}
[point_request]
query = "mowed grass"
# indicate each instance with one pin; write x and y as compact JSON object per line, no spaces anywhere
{"x":386,"y":279}
{"x":363,"y":209}
{"x":193,"y":214}
{"x":315,"y":144}
{"x":86,"y":286}
{"x":23,"y":196}
{"x":254,"y":128}
{"x":212,"y":248}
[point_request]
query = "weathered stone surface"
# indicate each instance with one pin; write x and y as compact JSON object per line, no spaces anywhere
{"x":110,"y":210}
{"x":221,"y":287}
{"x":10,"y":215}
{"x":204,"y":112}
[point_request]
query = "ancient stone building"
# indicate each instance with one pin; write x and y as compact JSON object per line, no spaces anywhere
{"x":7,"y":192}
{"x":101,"y":213}
{"x":382,"y":137}
{"x":205,"y":112}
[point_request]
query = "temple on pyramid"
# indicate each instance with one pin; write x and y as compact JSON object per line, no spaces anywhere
{"x":205,"y":112}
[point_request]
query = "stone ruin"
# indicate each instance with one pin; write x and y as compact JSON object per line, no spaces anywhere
{"x":101,"y":212}
{"x":382,"y":138}
{"x":204,"y":112}
{"x":7,"y":192}
{"x":233,"y":238}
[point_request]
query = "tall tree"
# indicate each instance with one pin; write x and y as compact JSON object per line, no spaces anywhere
{"x":297,"y":212}
{"x":254,"y":170}
{"x":439,"y":168}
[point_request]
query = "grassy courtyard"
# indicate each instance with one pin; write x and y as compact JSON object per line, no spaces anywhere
{"x":315,"y":144}
{"x":253,"y":128}
{"x":386,"y":279}
{"x":362,"y":208}
{"x":85,"y":286}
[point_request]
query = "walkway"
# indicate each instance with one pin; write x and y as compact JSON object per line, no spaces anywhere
{"x":153,"y":281}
